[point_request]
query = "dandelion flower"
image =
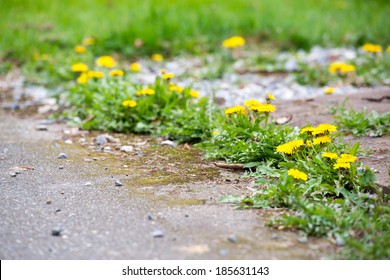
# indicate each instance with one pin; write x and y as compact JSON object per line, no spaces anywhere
{"x":106,"y":61}
{"x":339,"y":165}
{"x":341,"y":68}
{"x":80,"y":49}
{"x":157,"y":57}
{"x":252,"y":102}
{"x":329,"y":155}
{"x":388,"y":49}
{"x":135,"y":67}
{"x":95,"y":74}
{"x":324,"y":128}
{"x":129,"y":103}
{"x":168,"y":76}
{"x":270,"y":97}
{"x":215,"y":132}
{"x":194,"y":93}
{"x":176,"y":88}
{"x":347,"y":158}
{"x":79,"y":67}
{"x":146,"y":91}
{"x":322,"y":140}
{"x":297,"y":174}
{"x":235,"y":110}
{"x":116,"y":73}
{"x":307,"y":129}
{"x":372,"y":48}
{"x":263,"y":108}
{"x":329,"y":90}
{"x":289,"y":147}
{"x":163,"y":71}
{"x":89,"y":41}
{"x":233,"y":42}
{"x":83,"y":78}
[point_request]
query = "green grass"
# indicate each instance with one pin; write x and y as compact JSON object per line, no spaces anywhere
{"x":175,"y":26}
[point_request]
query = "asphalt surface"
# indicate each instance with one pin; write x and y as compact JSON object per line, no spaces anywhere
{"x":97,"y":220}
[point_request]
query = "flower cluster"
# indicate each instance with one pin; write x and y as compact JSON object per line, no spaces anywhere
{"x":233,"y":42}
{"x":341,"y":68}
{"x":129,"y":103}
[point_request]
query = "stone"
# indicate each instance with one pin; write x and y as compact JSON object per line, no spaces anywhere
{"x":232,"y":239}
{"x":41,"y":127}
{"x":158,"y":233}
{"x":62,"y":156}
{"x":127,"y":149}
{"x":56,"y":231}
{"x":118,"y":183}
{"x":101,"y":140}
{"x":88,"y":184}
{"x":169,"y":143}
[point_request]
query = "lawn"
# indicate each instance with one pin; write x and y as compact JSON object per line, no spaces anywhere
{"x":173,"y":27}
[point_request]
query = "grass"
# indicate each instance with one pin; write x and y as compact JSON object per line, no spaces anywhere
{"x":192,"y":26}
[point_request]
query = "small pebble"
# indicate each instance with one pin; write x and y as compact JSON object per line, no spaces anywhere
{"x":118,"y":183}
{"x":169,"y":143}
{"x":17,"y":172}
{"x":13,"y":174}
{"x":41,"y":127}
{"x":68,"y":141}
{"x":88,"y":184}
{"x":101,"y":140}
{"x":150,"y":217}
{"x":107,"y":149}
{"x":61,"y":167}
{"x":62,"y":156}
{"x":56,"y":231}
{"x":223,"y":253}
{"x":158,"y":234}
{"x":48,"y":202}
{"x":127,"y":149}
{"x":232,"y":238}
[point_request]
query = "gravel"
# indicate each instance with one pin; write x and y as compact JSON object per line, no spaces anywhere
{"x":62,"y":156}
{"x":158,"y":234}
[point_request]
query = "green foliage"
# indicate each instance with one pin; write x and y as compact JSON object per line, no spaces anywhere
{"x":361,"y":123}
{"x":246,"y":138}
{"x":191,"y":26}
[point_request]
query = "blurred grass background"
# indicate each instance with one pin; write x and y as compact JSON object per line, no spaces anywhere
{"x":173,"y":27}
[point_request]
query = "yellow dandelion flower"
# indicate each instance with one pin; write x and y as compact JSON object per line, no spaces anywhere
{"x":330,"y":155}
{"x":163,"y":71}
{"x":79,"y":67}
{"x":346,"y":158}
{"x":324,"y":128}
{"x":263,"y":108}
{"x":157,"y":57}
{"x":215,"y":132}
{"x":79,"y":49}
{"x":289,"y":147}
{"x":194,"y":93}
{"x":307,"y":129}
{"x":168,"y":76}
{"x":295,"y":173}
{"x":328,"y":90}
{"x":235,"y":110}
{"x":388,"y":49}
{"x":83,"y":78}
{"x":95,"y":74}
{"x":106,"y":61}
{"x":341,"y":68}
{"x":339,"y":165}
{"x":372,"y":48}
{"x":89,"y":41}
{"x":322,"y":140}
{"x":233,"y":42}
{"x":176,"y":88}
{"x":135,"y":67}
{"x":146,"y":91}
{"x":270,"y":97}
{"x":252,"y":102}
{"x":129,"y":103}
{"x":116,"y":73}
